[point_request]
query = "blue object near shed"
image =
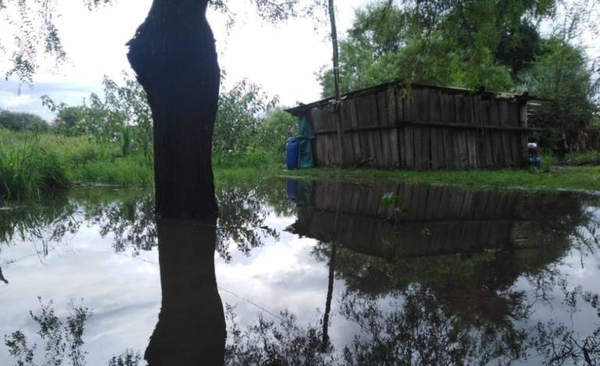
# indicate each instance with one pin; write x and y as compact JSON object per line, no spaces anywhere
{"x":291,"y":153}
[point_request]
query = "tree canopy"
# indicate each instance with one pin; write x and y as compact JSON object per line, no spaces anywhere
{"x":463,"y":43}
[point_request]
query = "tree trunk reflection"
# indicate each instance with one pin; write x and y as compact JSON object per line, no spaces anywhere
{"x":191,"y":325}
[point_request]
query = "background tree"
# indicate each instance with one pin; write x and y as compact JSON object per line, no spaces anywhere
{"x":462,"y":43}
{"x":240,"y":116}
{"x":19,"y":121}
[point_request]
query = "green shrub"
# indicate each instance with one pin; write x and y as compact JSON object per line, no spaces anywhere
{"x":27,"y":169}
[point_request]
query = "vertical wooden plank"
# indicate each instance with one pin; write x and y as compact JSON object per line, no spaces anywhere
{"x":507,"y":138}
{"x":495,"y":135}
{"x":424,"y":152}
{"x":440,"y":132}
{"x":325,"y":149}
{"x":448,"y":117}
{"x":458,"y":138}
{"x":434,"y":116}
{"x":424,"y":117}
{"x":384,"y":132}
{"x":325,"y":144}
{"x":489,"y":140}
{"x":393,"y":135}
{"x":523,"y":123}
{"x":408,"y":107}
{"x":512,"y":118}
{"x":416,"y":147}
{"x":473,"y":117}
{"x":347,"y":125}
{"x":381,"y":137}
{"x":362,"y":111}
{"x":354,"y":123}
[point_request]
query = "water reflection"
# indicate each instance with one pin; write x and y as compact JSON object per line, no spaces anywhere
{"x":441,"y":276}
{"x":128,"y":218}
{"x":191,"y":325}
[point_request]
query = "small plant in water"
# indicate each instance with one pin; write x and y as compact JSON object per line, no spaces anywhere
{"x":392,"y":204}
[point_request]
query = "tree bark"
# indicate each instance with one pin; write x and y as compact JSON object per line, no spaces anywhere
{"x":174,"y":57}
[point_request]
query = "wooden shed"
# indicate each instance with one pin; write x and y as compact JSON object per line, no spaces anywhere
{"x":422,"y":127}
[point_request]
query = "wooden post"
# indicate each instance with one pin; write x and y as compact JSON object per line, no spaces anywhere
{"x":336,"y":81}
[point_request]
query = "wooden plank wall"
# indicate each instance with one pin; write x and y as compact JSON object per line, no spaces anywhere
{"x":423,"y":128}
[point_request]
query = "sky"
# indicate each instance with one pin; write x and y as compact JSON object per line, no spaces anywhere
{"x":283,"y":59}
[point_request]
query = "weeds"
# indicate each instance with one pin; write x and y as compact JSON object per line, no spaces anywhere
{"x":28,"y":169}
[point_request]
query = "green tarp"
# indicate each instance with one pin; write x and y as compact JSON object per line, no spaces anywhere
{"x":305,"y":152}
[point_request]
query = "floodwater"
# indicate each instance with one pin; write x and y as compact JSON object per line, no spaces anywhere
{"x":306,"y":273}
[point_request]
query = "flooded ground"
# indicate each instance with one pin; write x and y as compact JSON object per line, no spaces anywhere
{"x":307,"y":273}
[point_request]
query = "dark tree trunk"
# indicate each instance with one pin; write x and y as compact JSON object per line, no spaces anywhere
{"x":173,"y":54}
{"x":191,"y":323}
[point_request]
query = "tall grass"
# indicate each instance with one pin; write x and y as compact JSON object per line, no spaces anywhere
{"x":28,"y":169}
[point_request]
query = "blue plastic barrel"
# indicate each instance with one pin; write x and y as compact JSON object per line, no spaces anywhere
{"x":291,"y":153}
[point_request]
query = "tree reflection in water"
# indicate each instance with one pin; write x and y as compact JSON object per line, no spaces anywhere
{"x":191,"y":323}
{"x":130,"y":219}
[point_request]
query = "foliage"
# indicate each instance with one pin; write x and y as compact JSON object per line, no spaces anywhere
{"x":562,"y":75}
{"x":240,"y":118}
{"x":469,"y":43}
{"x":275,"y":130}
{"x":130,"y":102}
{"x":45,"y":161}
{"x":28,"y":169}
{"x":123,"y":116}
{"x":18,"y":121}
{"x":389,"y":204}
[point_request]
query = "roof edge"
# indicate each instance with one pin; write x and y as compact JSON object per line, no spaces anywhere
{"x":300,"y":109}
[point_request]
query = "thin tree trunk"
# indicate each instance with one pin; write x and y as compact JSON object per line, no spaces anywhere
{"x":173,"y":54}
{"x":336,"y":82}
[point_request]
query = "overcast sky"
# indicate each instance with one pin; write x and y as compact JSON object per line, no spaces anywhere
{"x":283,"y":58}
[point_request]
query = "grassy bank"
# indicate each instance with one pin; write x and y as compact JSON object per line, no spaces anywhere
{"x":551,"y":178}
{"x":31,"y":165}
{"x":28,"y":169}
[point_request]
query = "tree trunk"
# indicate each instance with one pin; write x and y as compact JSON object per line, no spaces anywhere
{"x":173,"y":54}
{"x":336,"y":83}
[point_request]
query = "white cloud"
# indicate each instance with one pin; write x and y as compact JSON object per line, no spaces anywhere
{"x":282,"y":58}
{"x":17,"y":100}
